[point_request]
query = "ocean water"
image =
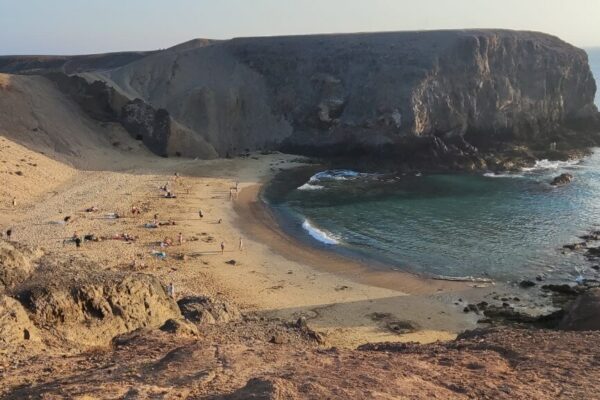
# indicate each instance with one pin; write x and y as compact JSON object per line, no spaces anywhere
{"x":505,"y":227}
{"x":594,"y":59}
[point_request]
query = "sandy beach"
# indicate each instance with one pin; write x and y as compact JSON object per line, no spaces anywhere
{"x":273,"y":276}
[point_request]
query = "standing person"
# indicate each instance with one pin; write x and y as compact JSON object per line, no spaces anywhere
{"x":180,"y":238}
{"x":78,"y":242}
{"x":9,"y":233}
{"x":222,"y":247}
{"x":241,"y":244}
{"x":171,"y":290}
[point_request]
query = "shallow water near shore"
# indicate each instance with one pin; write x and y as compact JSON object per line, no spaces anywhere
{"x":503,"y":227}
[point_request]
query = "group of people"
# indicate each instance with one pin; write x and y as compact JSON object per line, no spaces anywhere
{"x":135,"y":210}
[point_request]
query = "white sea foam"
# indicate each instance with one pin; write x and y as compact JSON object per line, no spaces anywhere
{"x":505,"y":175}
{"x":542,"y":165}
{"x":332,"y":175}
{"x":310,"y":186}
{"x":335,"y":175}
{"x":463,"y":279}
{"x":318,"y":234}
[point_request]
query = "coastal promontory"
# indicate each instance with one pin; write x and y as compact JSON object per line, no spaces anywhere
{"x":434,"y":96}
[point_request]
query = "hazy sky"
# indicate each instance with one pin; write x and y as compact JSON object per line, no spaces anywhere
{"x":90,"y":26}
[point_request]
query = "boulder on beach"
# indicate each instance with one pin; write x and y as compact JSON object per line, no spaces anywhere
{"x":206,"y":310}
{"x":15,"y":326}
{"x":180,"y":327}
{"x":584,"y":313}
{"x":562,"y":179}
{"x":16,"y":263}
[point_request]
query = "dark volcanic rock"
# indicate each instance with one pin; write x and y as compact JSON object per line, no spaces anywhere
{"x":584,"y":313}
{"x":562,"y":179}
{"x":564,"y":289}
{"x":526,"y":284}
{"x":593,"y":252}
{"x":507,"y":313}
{"x":152,"y":126}
{"x":208,"y":310}
{"x":575,"y":246}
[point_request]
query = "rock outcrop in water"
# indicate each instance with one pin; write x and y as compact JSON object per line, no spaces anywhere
{"x":450,"y":97}
{"x":562,"y":179}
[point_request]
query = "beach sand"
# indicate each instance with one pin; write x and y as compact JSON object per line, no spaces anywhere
{"x":274,"y":276}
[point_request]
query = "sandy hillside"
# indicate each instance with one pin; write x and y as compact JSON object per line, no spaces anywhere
{"x":27,"y":174}
{"x":33,"y":112}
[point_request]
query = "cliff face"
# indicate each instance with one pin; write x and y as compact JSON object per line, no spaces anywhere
{"x":383,"y":88}
{"x":400,"y":94}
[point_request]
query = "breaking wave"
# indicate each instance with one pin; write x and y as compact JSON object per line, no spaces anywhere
{"x":502,"y":175}
{"x":542,"y":165}
{"x":309,"y":186}
{"x":318,"y":234}
{"x":337,"y":175}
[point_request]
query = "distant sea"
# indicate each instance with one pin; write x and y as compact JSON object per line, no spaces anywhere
{"x":594,"y":54}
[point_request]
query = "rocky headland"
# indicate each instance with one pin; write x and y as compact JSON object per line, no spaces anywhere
{"x":472,"y":99}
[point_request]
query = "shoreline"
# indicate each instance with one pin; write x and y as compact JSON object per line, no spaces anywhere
{"x":273,"y":278}
{"x":256,"y":219}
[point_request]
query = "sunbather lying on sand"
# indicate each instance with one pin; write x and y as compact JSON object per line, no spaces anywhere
{"x":125,"y":236}
{"x":166,"y":242}
{"x":167,"y":223}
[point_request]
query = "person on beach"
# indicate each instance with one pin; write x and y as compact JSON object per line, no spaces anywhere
{"x":76,"y":239}
{"x":241,"y":244}
{"x":222,"y":247}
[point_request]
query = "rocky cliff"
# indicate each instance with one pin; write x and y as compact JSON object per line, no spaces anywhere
{"x":431,"y":95}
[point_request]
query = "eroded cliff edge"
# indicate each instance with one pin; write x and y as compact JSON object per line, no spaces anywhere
{"x":451,"y":97}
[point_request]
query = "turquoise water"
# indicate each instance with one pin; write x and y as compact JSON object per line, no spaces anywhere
{"x":507,"y":227}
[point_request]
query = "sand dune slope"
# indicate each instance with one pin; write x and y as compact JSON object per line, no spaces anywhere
{"x":34,"y":113}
